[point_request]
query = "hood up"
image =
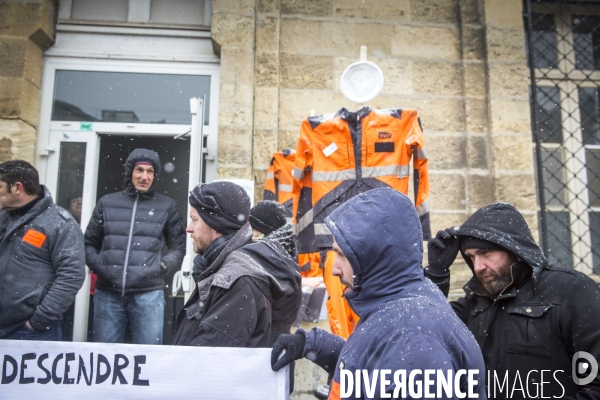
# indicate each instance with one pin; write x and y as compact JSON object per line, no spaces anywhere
{"x":266,"y":262}
{"x":502,"y":224}
{"x":279,"y":275}
{"x":380,"y":233}
{"x":136,"y":156}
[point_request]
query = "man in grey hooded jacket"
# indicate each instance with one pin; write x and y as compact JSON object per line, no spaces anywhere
{"x":41,"y":256}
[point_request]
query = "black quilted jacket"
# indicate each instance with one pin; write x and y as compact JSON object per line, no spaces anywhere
{"x":126,"y":235}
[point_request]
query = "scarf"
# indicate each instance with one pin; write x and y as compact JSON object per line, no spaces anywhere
{"x":204,"y":260}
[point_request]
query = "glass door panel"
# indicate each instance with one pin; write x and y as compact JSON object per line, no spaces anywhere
{"x":70,"y":176}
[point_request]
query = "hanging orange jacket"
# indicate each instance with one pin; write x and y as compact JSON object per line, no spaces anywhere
{"x":310,"y":264}
{"x":278,"y":185}
{"x":349,"y":153}
{"x":310,"y":261}
{"x":342,"y":320}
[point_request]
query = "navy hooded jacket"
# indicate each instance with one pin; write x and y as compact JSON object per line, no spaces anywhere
{"x":405,"y":321}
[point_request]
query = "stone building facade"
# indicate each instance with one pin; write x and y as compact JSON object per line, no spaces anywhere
{"x":461,"y":63}
{"x":26,"y":31}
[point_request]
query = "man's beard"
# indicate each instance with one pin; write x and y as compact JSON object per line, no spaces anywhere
{"x":344,"y":282}
{"x":199,"y":246}
{"x":501,"y":280}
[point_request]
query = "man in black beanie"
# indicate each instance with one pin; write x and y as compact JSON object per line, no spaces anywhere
{"x":528,"y":316}
{"x":237,"y":280}
{"x":268,"y":220}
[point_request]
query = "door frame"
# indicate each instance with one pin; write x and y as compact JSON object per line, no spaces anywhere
{"x":90,"y":178}
{"x":52,"y":64}
{"x":48,"y":146}
{"x":91,"y":170}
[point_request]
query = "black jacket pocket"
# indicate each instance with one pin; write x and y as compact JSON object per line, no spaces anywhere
{"x":529,"y":330}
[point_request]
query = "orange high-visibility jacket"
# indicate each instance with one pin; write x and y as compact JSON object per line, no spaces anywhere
{"x":278,"y":185}
{"x":349,"y":153}
{"x":342,"y":320}
{"x":310,"y":264}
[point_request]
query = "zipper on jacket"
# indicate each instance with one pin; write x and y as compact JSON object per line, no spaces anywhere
{"x":137,"y":196}
{"x":356,"y":139}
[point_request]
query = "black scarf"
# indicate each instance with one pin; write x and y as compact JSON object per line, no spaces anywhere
{"x":204,"y":260}
{"x":285,"y":236}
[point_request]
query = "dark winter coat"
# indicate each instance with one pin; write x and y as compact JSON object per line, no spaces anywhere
{"x":231,"y":305}
{"x":285,"y":311}
{"x":405,"y":321}
{"x":42,"y":265}
{"x":538,"y":322}
{"x":128,"y":230}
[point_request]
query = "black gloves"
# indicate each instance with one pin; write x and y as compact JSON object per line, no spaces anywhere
{"x":293,"y":346}
{"x":442,"y":251}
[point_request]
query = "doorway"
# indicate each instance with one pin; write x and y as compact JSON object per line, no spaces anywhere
{"x":173,"y":182}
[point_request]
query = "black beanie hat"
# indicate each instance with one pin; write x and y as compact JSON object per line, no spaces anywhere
{"x":224,"y":206}
{"x":267,"y":216}
{"x":470,"y":242}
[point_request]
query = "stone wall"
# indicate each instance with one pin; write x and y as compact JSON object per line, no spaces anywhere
{"x":26,"y":30}
{"x":461,"y":64}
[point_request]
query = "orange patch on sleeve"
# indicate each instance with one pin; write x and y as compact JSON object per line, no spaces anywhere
{"x":34,"y":238}
{"x":334,"y":393}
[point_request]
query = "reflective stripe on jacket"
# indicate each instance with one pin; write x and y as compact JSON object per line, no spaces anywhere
{"x":352,"y":152}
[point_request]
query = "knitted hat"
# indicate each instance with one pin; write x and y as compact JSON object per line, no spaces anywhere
{"x":74,"y":195}
{"x":267,"y":216}
{"x":470,"y":242}
{"x":224,"y":206}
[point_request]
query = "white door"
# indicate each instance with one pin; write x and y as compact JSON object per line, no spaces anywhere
{"x":197,"y":151}
{"x":71,"y":175}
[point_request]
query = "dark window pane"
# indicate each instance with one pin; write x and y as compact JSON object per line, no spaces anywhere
{"x":94,"y":10}
{"x":70,"y":177}
{"x":554,"y":177}
{"x":589,"y":110}
{"x":177,"y":12}
{"x":595,"y":233}
{"x":69,"y":195}
{"x":127,"y":97}
{"x":543,"y":40}
{"x":548,"y":123}
{"x":586,"y":40}
{"x":592,"y":163}
{"x":559,"y":239}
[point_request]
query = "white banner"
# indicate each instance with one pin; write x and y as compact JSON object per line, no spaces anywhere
{"x":70,"y":370}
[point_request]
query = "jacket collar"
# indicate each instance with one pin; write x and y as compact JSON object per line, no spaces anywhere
{"x":521,"y":273}
{"x":348,"y":115}
{"x":40,"y":206}
{"x":21,"y":211}
{"x":241,"y":238}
